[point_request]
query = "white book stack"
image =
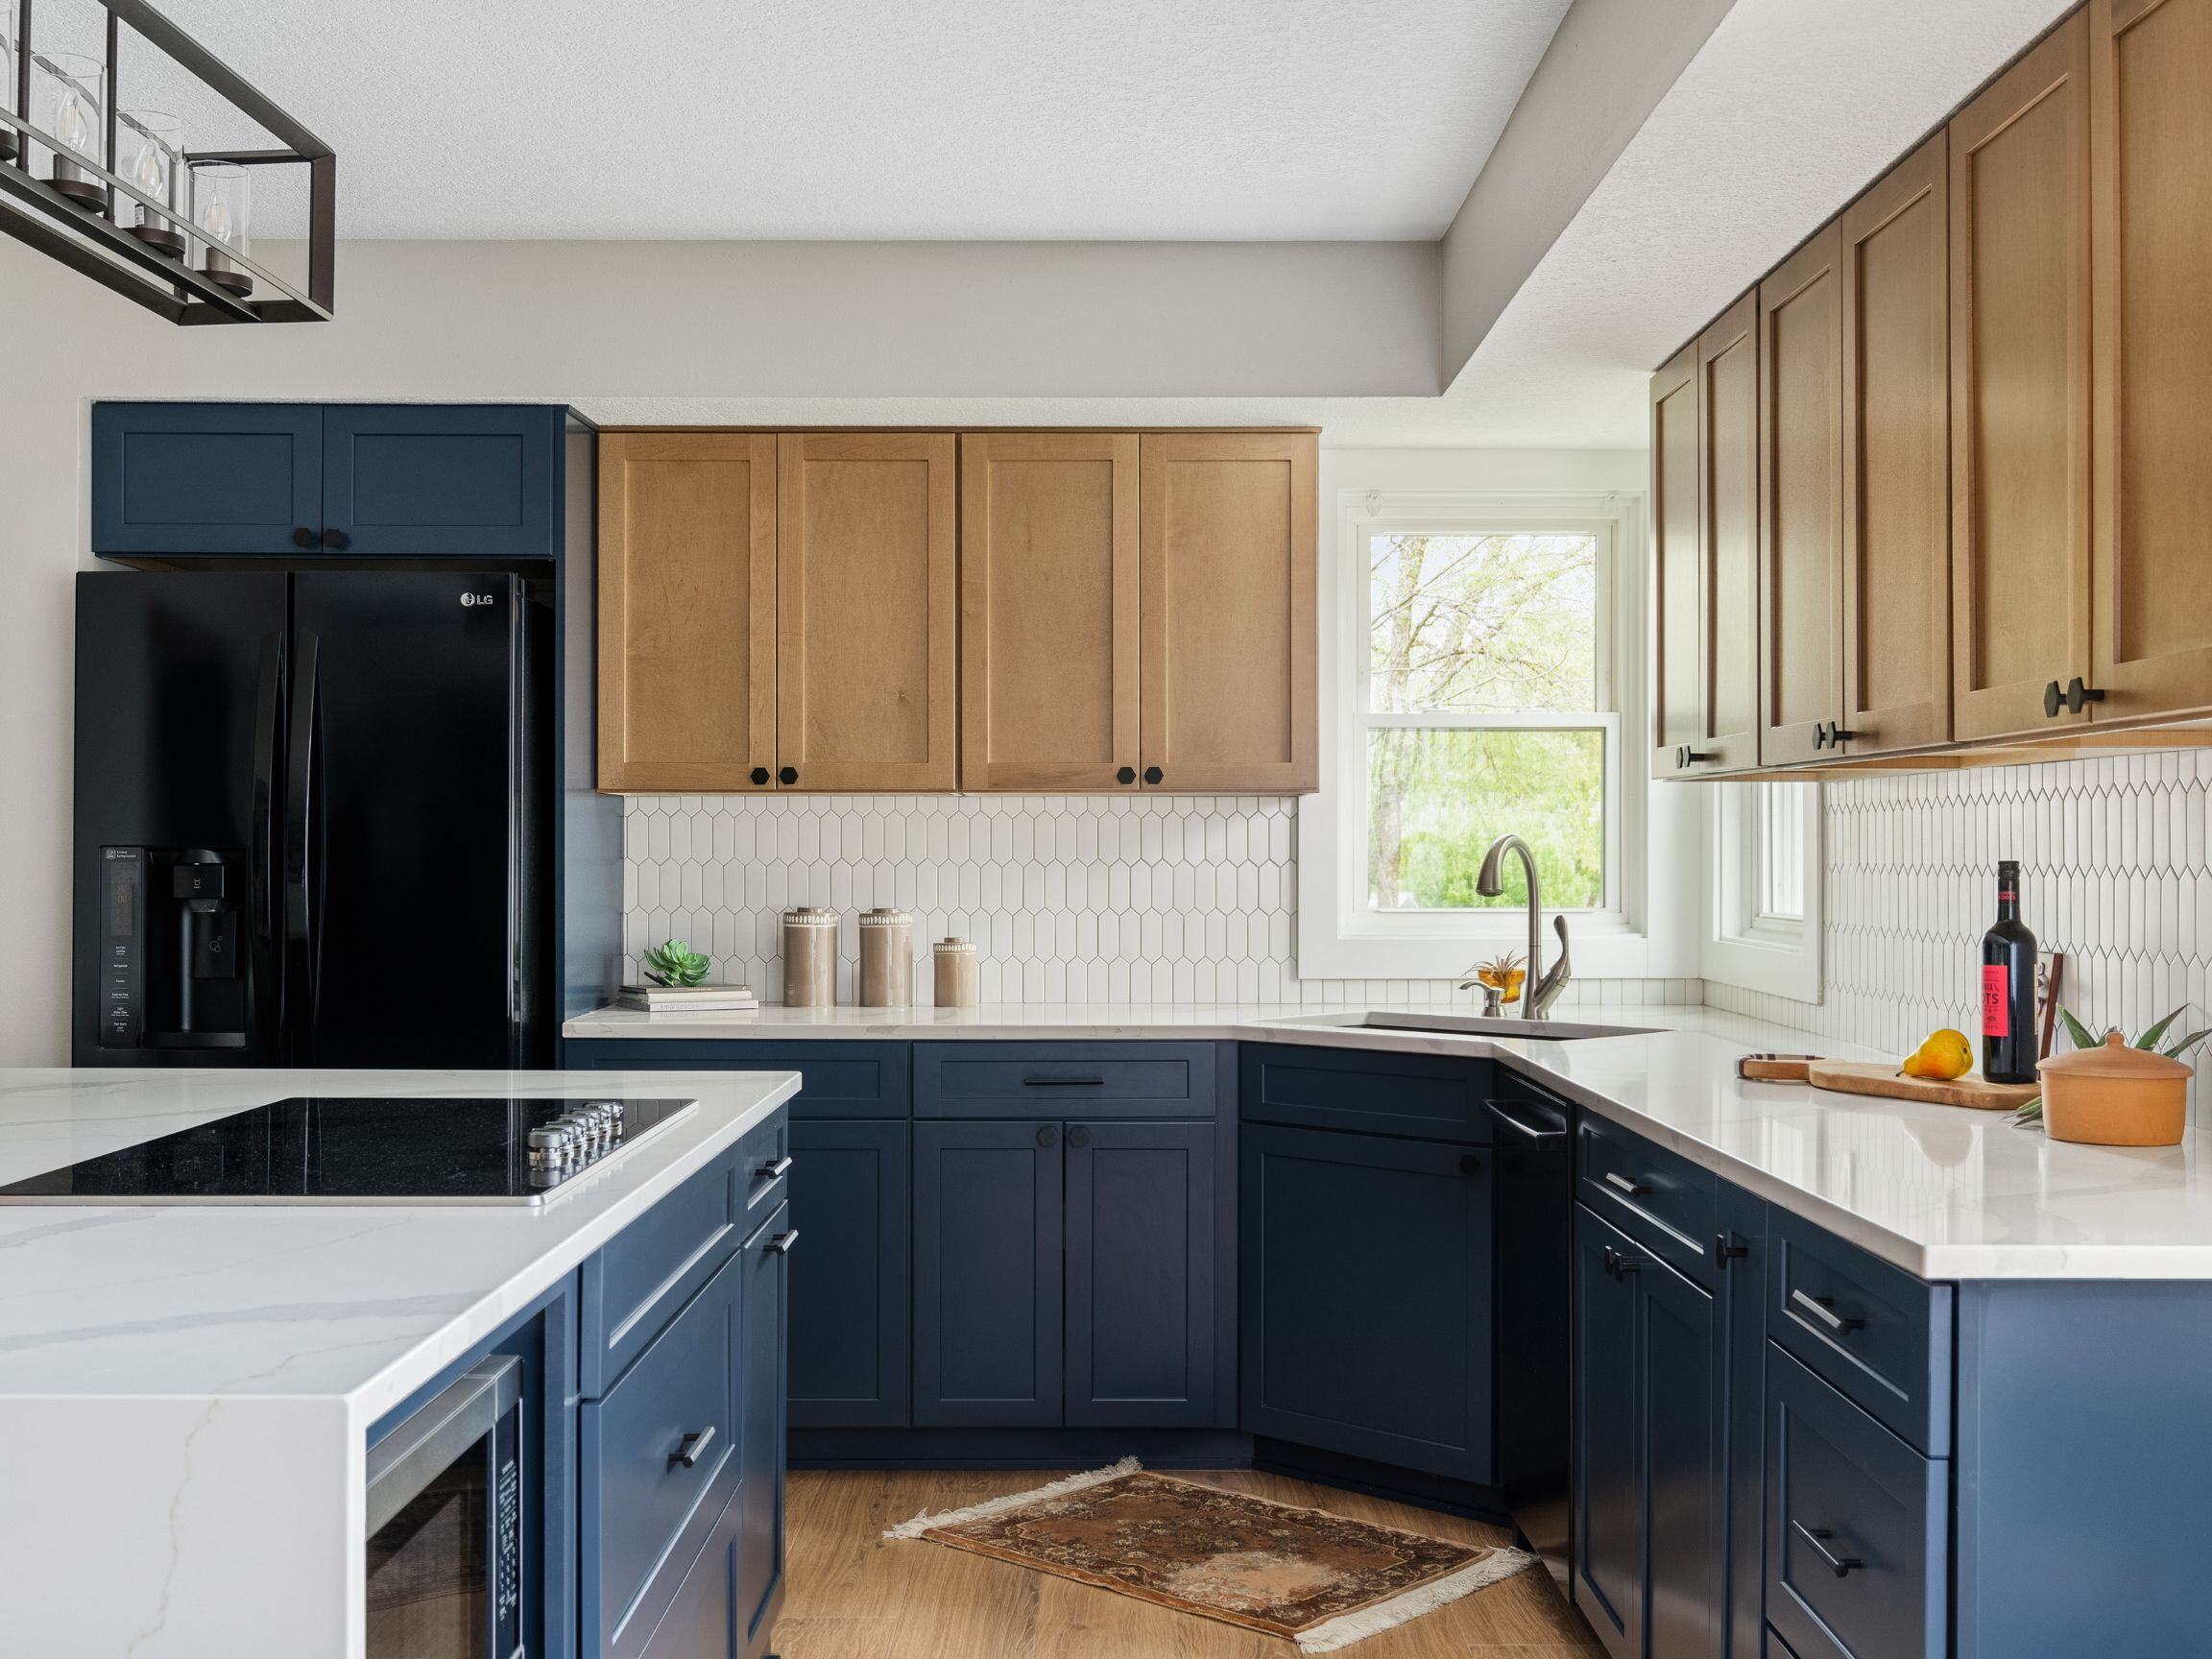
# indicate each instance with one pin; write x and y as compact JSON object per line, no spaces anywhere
{"x":690,"y":998}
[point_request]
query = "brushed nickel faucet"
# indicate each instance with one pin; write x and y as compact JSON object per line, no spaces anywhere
{"x":1544,"y":984}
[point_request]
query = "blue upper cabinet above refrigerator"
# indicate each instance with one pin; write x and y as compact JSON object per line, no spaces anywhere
{"x":354,"y":480}
{"x":206,"y":477}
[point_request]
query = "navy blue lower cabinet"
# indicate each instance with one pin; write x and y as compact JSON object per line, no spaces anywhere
{"x":987,"y":1273}
{"x":852,"y":1287}
{"x":413,"y":480}
{"x":1367,"y":1276}
{"x":1650,"y":1475}
{"x":241,"y":478}
{"x":1140,"y":1274}
{"x":1857,"y":1530}
{"x":759,"y":1556}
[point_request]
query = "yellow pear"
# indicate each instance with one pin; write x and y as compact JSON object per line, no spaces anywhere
{"x":1944,"y":1056}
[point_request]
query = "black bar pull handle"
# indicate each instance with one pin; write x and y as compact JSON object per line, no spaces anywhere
{"x":1816,"y":1539}
{"x":300,"y":806}
{"x":1528,"y":1131}
{"x":1062,"y":1082}
{"x":265,"y":983}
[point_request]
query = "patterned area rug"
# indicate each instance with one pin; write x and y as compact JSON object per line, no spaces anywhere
{"x":1311,"y":1577}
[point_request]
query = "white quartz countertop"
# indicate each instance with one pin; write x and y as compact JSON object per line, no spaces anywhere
{"x":186,"y":1391}
{"x":1943,"y":1192}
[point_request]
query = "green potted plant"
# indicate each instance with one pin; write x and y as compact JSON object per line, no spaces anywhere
{"x":675,"y":963}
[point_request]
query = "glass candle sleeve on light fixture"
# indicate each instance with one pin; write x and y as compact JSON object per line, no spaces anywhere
{"x":222,"y":209}
{"x":151,"y":146}
{"x":66,"y":89}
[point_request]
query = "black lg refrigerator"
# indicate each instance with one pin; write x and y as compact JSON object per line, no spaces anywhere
{"x":312,"y":820}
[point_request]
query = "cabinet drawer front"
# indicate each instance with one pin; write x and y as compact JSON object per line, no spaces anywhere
{"x":1659,"y":1198}
{"x":1064,"y":1079}
{"x":647,"y":1513}
{"x":1876,"y":1332}
{"x":634,"y":1287}
{"x":837,"y":1079}
{"x":1856,"y":1528}
{"x":1367,"y":1094}
{"x":1367,"y":1265}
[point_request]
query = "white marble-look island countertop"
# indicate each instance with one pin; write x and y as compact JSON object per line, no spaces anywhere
{"x":1942,"y":1191}
{"x":186,"y":1391}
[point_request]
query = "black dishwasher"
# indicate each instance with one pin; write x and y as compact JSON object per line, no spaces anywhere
{"x":1535,"y":1203}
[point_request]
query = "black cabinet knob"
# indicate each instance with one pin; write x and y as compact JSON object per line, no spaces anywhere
{"x":2053,"y":700}
{"x":1079,"y":1135}
{"x":1048,"y":1136}
{"x":759,"y":775}
{"x":1470,"y":1164}
{"x":1820,"y":734}
{"x":1127,"y":775}
{"x":336,"y":538}
{"x":787,"y":775}
{"x":303,"y":537}
{"x":2079,"y":696}
{"x":1151,"y":774}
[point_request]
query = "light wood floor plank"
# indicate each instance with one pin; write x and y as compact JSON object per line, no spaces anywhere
{"x":855,"y":1596}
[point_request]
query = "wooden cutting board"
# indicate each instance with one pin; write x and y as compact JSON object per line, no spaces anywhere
{"x":1878,"y":1078}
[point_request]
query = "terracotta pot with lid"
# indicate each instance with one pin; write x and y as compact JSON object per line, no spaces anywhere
{"x":2115,"y":1096}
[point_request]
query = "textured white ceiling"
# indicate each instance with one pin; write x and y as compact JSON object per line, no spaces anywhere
{"x":1206,"y":120}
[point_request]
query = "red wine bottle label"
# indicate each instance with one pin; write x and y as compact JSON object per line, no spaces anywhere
{"x":1996,"y":1002}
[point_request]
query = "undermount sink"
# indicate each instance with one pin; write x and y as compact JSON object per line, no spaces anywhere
{"x":1462,"y":1025}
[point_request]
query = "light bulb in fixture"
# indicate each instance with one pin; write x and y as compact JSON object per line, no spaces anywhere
{"x":216,"y":221}
{"x":160,"y":140}
{"x":69,"y":89}
{"x":222,"y":215}
{"x":70,"y":125}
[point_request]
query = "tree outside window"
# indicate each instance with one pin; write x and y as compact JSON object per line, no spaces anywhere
{"x":1484,"y":704}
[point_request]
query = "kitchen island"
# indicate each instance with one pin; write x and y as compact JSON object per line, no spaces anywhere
{"x":188,"y":1393}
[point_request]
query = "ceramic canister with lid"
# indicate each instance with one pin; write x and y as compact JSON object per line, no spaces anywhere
{"x":886,"y":959}
{"x":957,"y":978}
{"x":810,"y":957}
{"x":2115,"y":1096}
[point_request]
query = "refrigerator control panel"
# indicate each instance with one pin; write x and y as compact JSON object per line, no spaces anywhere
{"x":122,"y":945}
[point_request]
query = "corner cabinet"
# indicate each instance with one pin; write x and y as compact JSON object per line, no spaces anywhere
{"x":1102,"y":612}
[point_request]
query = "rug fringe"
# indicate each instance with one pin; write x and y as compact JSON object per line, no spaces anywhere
{"x":924,"y":1521}
{"x":1366,"y":1621}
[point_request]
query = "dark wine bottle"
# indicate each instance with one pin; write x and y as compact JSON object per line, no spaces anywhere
{"x":2009,"y":1045}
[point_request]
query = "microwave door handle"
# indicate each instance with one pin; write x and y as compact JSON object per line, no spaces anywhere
{"x":300,"y":805}
{"x":438,"y":1435}
{"x":266,"y":987}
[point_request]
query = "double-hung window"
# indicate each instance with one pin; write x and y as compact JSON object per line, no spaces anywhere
{"x":1479,"y":652}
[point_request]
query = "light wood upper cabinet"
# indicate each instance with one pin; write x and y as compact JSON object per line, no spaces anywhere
{"x":686,"y":610}
{"x":1800,"y":502}
{"x":1728,"y":536}
{"x":1895,"y":639}
{"x":2151,"y":193}
{"x":2020,"y":376}
{"x":1678,"y":705}
{"x":1226,"y":633}
{"x":1048,"y":642}
{"x":868,"y":601}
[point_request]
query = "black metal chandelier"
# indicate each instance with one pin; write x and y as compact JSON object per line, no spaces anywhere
{"x":115,"y":194}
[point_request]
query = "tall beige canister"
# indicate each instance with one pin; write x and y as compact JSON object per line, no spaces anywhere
{"x":810,"y":957}
{"x":886,"y":959}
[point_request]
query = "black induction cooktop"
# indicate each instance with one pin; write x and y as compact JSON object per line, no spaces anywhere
{"x":365,"y":1150}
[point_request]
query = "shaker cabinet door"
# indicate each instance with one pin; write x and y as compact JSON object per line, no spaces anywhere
{"x":1049,"y":611}
{"x":1679,"y":692}
{"x":241,"y":478}
{"x":2019,"y":344}
{"x":1896,"y":614}
{"x":852,"y":1362}
{"x":987,"y":1274}
{"x":1800,"y":502}
{"x":867,"y":591}
{"x":440,"y":480}
{"x":1229,"y":703}
{"x":2150,"y":213}
{"x":686,"y":611}
{"x":1728,"y":540}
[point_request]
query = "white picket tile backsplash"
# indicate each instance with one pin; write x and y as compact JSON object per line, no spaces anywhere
{"x":1070,"y":899}
{"x":2114,"y":870}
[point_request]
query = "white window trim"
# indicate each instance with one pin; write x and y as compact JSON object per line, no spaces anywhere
{"x":1337,"y":936}
{"x":1741,"y":947}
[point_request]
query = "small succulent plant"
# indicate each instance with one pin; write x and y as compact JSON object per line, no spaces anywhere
{"x":676,"y":963}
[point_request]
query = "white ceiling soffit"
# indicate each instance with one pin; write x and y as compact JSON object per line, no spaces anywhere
{"x":1171,"y":120}
{"x":1785,"y":113}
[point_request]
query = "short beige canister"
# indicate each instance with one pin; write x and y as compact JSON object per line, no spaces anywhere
{"x":959,"y":981}
{"x":886,"y":959}
{"x":810,"y":957}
